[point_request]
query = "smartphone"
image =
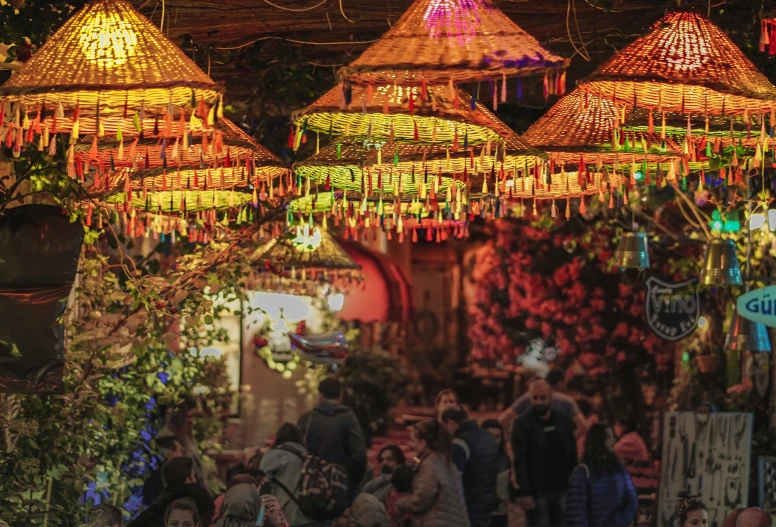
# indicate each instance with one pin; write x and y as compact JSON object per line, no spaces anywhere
{"x":265,"y":488}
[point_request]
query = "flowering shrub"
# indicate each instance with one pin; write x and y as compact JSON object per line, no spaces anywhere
{"x":558,"y":284}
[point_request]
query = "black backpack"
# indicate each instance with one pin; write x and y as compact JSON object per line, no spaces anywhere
{"x":322,"y":493}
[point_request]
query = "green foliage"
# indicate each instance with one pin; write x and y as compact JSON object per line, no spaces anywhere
{"x":374,"y":382}
{"x":122,"y":349}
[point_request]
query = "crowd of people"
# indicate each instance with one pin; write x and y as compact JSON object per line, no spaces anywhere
{"x":453,"y":473}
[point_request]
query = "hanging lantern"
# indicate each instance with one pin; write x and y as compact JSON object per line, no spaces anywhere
{"x":632,"y":251}
{"x":720,"y":264}
{"x":457,"y":41}
{"x":745,"y":335}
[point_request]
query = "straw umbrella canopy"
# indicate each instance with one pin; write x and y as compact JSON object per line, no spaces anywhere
{"x":107,"y":59}
{"x":714,"y":130}
{"x":302,"y":262}
{"x":362,"y":216}
{"x":437,"y":42}
{"x":355,"y":180}
{"x":582,"y":129}
{"x":310,"y":249}
{"x":430,"y":116}
{"x":223,"y":146}
{"x":686,"y":65}
{"x":154,"y":174}
{"x":373,"y":167}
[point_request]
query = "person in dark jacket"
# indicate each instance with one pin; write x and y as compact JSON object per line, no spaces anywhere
{"x":601,"y":493}
{"x":179,"y":482}
{"x":500,"y":517}
{"x":476,"y":456}
{"x":331,"y":431}
{"x":545,"y":454}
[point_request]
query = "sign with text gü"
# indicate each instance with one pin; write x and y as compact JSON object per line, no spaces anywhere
{"x":759,"y":306}
{"x":672,"y":309}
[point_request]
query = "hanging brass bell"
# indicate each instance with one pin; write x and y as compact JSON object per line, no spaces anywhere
{"x":632,"y":251}
{"x":745,"y":335}
{"x":720,"y":264}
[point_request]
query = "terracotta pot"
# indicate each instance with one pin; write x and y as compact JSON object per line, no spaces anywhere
{"x":707,"y":363}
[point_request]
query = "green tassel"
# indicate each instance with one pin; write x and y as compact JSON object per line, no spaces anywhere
{"x":684,"y":183}
{"x":708,"y":148}
{"x":136,"y":122}
{"x":396,"y":158}
{"x":663,"y":146}
{"x":339,"y":154}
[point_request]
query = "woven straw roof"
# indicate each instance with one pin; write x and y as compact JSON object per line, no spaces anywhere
{"x":110,"y":54}
{"x":381,"y":107}
{"x":360,"y":162}
{"x":685,"y":64}
{"x":582,"y":126}
{"x":440,"y":40}
{"x":227,"y":146}
{"x":316,"y":250}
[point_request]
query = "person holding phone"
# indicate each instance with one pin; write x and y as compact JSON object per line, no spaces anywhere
{"x":244,"y":506}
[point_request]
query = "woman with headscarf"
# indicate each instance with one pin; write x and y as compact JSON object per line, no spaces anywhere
{"x":242,"y":505}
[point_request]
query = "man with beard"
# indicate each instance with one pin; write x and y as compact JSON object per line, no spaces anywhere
{"x":545,"y":454}
{"x":389,"y":459}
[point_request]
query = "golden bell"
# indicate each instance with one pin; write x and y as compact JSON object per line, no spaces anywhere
{"x":720,"y":264}
{"x":632,"y":251}
{"x":745,"y":335}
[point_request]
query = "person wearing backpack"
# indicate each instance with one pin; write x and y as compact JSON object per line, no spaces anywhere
{"x":601,"y":493}
{"x":283,"y":464}
{"x":332,"y":432}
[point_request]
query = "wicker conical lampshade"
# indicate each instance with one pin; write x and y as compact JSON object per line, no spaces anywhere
{"x":385,"y":112}
{"x":312,"y":258}
{"x":438,"y":41}
{"x":582,"y":128}
{"x":183,"y":179}
{"x":720,"y":131}
{"x":687,"y":65}
{"x":105,"y":58}
{"x":378,"y":167}
{"x":226,"y":145}
{"x":311,"y":249}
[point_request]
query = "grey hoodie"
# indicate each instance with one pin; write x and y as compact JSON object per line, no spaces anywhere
{"x":332,"y":432}
{"x":285,"y":467}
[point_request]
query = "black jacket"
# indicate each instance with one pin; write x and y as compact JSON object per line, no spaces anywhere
{"x":530,"y":453}
{"x":153,"y":516}
{"x":480,"y":468}
{"x":332,"y":432}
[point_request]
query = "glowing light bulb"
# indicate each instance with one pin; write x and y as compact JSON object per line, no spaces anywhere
{"x":108,"y":40}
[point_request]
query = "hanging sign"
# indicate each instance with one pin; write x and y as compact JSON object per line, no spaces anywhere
{"x":759,"y":306}
{"x":672,"y":310}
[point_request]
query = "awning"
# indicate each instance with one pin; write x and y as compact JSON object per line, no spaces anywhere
{"x":385,"y":294}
